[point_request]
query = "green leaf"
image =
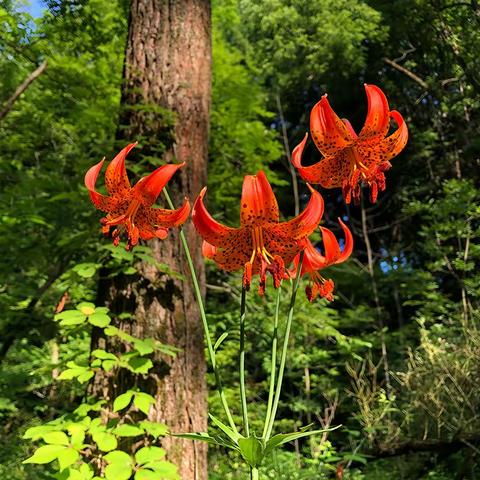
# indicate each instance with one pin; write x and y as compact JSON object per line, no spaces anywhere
{"x":154,"y":429}
{"x":37,"y":432}
{"x":143,"y":401}
{"x":205,"y":437}
{"x":122,"y":401}
{"x":99,"y":320}
{"x":103,"y":355}
{"x":45,"y":454}
{"x":149,"y":454}
{"x":126,"y":430}
{"x":252,"y":450}
{"x":227,"y":430}
{"x":140,"y":364}
{"x":85,"y":376}
{"x":222,"y":337}
{"x":107,"y":365}
{"x":70,"y":317}
{"x":145,"y":346}
{"x":282,"y":438}
{"x":117,"y":471}
{"x":355,"y":458}
{"x":87,"y":308}
{"x":85,"y":270}
{"x":67,"y":457}
{"x":57,"y":438}
{"x":119,"y":465}
{"x":105,"y":441}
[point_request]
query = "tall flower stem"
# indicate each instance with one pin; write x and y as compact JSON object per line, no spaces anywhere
{"x":243,"y":395}
{"x":253,"y":474}
{"x":285,"y":348}
{"x":273,"y":363}
{"x":203,"y":316}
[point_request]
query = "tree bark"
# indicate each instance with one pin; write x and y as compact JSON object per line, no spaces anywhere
{"x":165,"y":106}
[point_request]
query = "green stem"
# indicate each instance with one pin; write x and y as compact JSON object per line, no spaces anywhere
{"x":273,"y":363}
{"x":285,"y":347}
{"x":253,"y":474}
{"x":243,"y":395}
{"x":203,"y":316}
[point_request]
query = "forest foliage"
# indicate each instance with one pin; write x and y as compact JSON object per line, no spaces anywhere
{"x":394,"y":360}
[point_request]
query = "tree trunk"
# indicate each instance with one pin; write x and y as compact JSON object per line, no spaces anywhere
{"x":165,"y":106}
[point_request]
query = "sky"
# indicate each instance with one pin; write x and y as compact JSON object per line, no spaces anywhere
{"x":33,"y":7}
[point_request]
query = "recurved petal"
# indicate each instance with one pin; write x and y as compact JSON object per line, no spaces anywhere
{"x":258,"y":204}
{"x":100,"y":201}
{"x":148,"y":188}
{"x":396,"y":142}
{"x":116,"y":179}
{"x":305,"y":223}
{"x":298,"y":152}
{"x":378,"y":120}
{"x":330,"y":172}
{"x":348,"y":248}
{"x":161,"y":217}
{"x":207,"y":227}
{"x":331,"y":246}
{"x":329,"y":133}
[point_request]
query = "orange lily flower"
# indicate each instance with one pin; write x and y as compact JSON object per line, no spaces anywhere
{"x":351,"y":159}
{"x":129,"y":208}
{"x":262,"y":244}
{"x":314,"y":261}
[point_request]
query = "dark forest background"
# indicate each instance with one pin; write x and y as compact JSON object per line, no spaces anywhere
{"x":396,"y":358}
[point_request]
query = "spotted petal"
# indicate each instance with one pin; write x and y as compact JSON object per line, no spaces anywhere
{"x":207,"y":227}
{"x":258,"y":204}
{"x":162,"y":217}
{"x":116,"y":179}
{"x":378,"y":120}
{"x":329,"y":133}
{"x":100,"y":201}
{"x":148,"y":188}
{"x":305,"y":223}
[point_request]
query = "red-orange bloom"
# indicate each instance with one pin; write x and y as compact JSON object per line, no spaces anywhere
{"x":351,"y":159}
{"x":129,"y":208}
{"x":262,"y":244}
{"x":314,"y":261}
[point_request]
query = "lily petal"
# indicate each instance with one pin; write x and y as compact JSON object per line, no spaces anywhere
{"x":207,"y":227}
{"x":148,"y":188}
{"x":208,"y":250}
{"x":161,"y":217}
{"x":116,"y":179}
{"x":329,"y":172}
{"x":332,"y":248}
{"x":298,"y":152}
{"x":100,"y":201}
{"x":235,"y":253}
{"x":396,"y":142}
{"x":377,"y":121}
{"x":348,"y":247}
{"x":258,"y":204}
{"x":329,"y":133}
{"x":305,"y":223}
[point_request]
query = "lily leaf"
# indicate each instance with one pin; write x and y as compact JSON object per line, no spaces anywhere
{"x":282,"y":438}
{"x":225,"y":429}
{"x":252,"y":450}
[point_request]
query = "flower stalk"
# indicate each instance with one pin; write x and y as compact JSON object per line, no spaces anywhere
{"x":203,"y":316}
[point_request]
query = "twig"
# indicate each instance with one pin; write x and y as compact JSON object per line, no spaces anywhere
{"x":25,"y":84}
{"x":407,"y":72}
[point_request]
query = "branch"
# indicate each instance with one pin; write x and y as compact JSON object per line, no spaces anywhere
{"x":26,"y":83}
{"x":407,"y":72}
